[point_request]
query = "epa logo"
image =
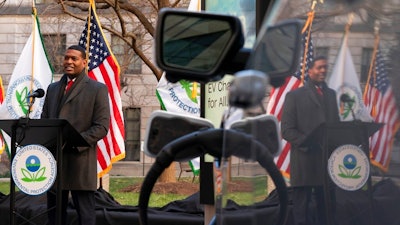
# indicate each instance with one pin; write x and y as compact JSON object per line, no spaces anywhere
{"x":32,"y":171}
{"x":349,"y":168}
{"x":17,"y":102}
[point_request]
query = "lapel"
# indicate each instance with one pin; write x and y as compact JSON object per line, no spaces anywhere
{"x":312,"y":93}
{"x":60,"y":93}
{"x":78,"y":86}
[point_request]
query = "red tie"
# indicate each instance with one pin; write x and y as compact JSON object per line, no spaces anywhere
{"x":69,"y":85}
{"x":319,"y":91}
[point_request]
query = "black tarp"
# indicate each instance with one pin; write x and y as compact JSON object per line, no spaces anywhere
{"x":351,"y":210}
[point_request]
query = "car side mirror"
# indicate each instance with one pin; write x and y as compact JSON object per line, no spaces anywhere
{"x":264,"y":128}
{"x":162,"y":128}
{"x":195,"y":45}
{"x":277,"y":51}
{"x":202,"y":46}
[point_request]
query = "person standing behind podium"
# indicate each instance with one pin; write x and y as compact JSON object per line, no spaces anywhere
{"x":85,"y":106}
{"x":304,"y":109}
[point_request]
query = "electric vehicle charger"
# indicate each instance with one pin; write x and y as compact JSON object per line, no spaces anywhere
{"x":211,"y":141}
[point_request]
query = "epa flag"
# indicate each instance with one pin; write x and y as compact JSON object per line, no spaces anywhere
{"x":103,"y":67}
{"x":31,"y":72}
{"x":344,"y":80}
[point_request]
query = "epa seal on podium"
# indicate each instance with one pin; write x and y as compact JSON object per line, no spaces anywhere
{"x":348,"y":167}
{"x":34,"y":169}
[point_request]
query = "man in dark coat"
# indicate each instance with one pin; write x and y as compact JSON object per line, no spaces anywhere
{"x":304,"y":110}
{"x":85,"y":106}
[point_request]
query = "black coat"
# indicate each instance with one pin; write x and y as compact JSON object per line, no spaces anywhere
{"x":303,"y":111}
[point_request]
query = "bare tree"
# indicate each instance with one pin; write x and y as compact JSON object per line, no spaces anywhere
{"x":130,"y":20}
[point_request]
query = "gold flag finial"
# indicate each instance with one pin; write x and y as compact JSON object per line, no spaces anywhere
{"x":349,"y":22}
{"x":376,"y":27}
{"x":315,"y":2}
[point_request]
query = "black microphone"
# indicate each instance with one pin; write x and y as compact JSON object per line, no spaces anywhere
{"x":346,"y":98}
{"x":36,"y":94}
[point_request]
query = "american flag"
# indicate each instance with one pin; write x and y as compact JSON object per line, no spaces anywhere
{"x":277,"y":97}
{"x":103,"y":67}
{"x":381,"y":103}
{"x":3,"y":143}
{"x":1,"y":91}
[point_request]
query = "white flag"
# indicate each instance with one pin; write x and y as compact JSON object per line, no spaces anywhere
{"x":183,"y":96}
{"x":31,"y":72}
{"x":194,"y":5}
{"x":344,"y":81}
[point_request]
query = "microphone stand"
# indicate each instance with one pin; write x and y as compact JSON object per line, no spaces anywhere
{"x":352,"y":112}
{"x":30,"y":106}
{"x":23,"y":122}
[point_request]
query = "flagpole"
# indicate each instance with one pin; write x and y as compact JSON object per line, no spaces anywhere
{"x":345,"y":36}
{"x":307,"y":27}
{"x":347,"y":27}
{"x":91,"y":3}
{"x":371,"y":71}
{"x":91,"y":7}
{"x":34,"y":24}
{"x":34,"y":12}
{"x":349,"y":23}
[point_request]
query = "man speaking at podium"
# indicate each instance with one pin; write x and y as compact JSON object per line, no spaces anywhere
{"x":304,"y":110}
{"x":83,"y":102}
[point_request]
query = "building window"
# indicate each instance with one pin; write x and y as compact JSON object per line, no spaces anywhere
{"x":129,"y":62}
{"x":132,"y":134}
{"x":365,"y":63}
{"x":55,"y":45}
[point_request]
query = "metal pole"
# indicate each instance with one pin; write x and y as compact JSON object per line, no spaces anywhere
{"x":59,"y":177}
{"x":12,"y":184}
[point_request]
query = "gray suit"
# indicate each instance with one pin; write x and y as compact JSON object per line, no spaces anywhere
{"x":86,"y":108}
{"x":303,"y":111}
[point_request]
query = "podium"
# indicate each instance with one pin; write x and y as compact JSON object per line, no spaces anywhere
{"x":333,"y":136}
{"x":51,"y":133}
